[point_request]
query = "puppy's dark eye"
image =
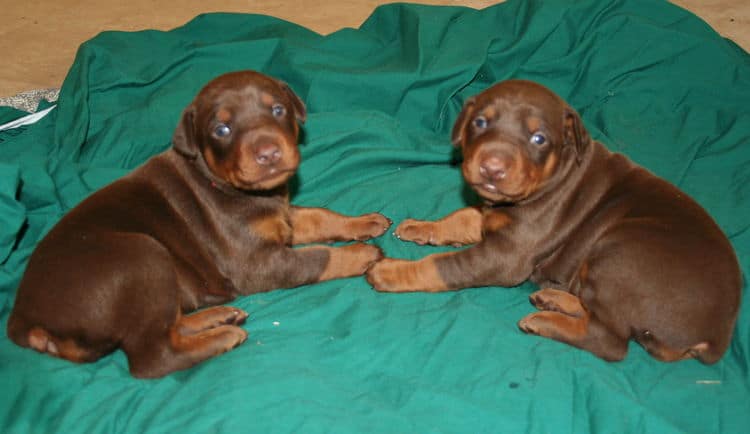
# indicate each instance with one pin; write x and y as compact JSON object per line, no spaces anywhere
{"x":481,"y":122}
{"x":222,"y":130}
{"x":538,"y":139}
{"x":278,"y":110}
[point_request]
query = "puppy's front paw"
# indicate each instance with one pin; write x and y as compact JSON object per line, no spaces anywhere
{"x":348,"y":261}
{"x":355,"y":259}
{"x":369,"y":226}
{"x":389,"y":275}
{"x":364,"y":256}
{"x":416,"y":231}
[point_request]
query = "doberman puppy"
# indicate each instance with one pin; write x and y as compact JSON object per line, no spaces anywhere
{"x":205,"y":221}
{"x":619,"y":253}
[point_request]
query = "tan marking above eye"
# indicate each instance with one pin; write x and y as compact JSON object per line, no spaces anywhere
{"x":223,"y":115}
{"x":267,"y":99}
{"x":489,"y":112}
{"x":533,"y":124}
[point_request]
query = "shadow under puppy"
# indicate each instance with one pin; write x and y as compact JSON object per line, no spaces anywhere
{"x":198,"y":225}
{"x":619,"y":253}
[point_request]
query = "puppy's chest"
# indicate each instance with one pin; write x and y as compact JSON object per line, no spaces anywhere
{"x":271,"y":226}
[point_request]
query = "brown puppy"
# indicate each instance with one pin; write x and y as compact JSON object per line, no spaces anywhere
{"x":197,"y":225}
{"x":618,"y":252}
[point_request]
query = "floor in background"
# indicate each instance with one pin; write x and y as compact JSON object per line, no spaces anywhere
{"x":38,"y":40}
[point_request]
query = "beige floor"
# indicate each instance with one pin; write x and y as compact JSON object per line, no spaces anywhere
{"x":38,"y":39}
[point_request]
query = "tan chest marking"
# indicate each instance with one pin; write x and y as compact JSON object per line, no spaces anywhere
{"x":274,"y":227}
{"x":493,"y":221}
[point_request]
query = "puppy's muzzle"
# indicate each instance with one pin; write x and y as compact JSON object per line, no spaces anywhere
{"x":267,"y":153}
{"x":494,"y":167}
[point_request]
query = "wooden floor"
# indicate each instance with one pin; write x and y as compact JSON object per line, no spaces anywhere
{"x":38,"y":39}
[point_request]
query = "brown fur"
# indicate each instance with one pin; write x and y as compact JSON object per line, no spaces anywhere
{"x":195,"y":226}
{"x":621,"y":253}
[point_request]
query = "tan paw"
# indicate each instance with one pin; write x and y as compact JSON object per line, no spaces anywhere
{"x":555,"y":300}
{"x":388,"y":275}
{"x":351,"y":260}
{"x":231,"y":336}
{"x":416,"y":231}
{"x":528,"y":324}
{"x":370,"y":226}
{"x":363,"y":256}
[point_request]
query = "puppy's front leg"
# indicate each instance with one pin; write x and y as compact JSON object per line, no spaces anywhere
{"x":316,"y":225}
{"x":483,"y":264}
{"x":458,"y":228}
{"x":286,"y":267}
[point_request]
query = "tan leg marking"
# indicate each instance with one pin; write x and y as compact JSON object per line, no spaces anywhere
{"x":558,"y":301}
{"x":210,"y":318}
{"x":275,"y":228}
{"x":207,"y":343}
{"x":348,"y":261}
{"x":313,"y":225}
{"x":458,"y":228}
{"x":555,"y":325}
{"x":397,"y":275}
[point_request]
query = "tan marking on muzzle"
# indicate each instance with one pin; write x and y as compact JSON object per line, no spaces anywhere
{"x":538,"y":176}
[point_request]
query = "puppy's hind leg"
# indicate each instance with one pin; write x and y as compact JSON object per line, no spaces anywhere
{"x":190,"y":340}
{"x":585,"y":332}
{"x":210,"y":318}
{"x":558,"y":301}
{"x":162,"y":339}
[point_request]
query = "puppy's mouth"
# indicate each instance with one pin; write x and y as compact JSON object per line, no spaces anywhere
{"x":493,"y":193}
{"x":272,"y":178}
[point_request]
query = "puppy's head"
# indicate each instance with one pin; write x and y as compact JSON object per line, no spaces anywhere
{"x":244,"y":127}
{"x":516,"y":138}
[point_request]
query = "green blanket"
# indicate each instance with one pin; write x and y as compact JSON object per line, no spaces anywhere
{"x":650,"y":80}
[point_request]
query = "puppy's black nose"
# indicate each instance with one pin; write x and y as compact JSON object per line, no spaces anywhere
{"x":493,"y":168}
{"x":267,"y":154}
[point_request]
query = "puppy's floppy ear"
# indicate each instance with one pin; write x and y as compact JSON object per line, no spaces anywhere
{"x":575,"y":133}
{"x":300,"y":112}
{"x":458,"y":135}
{"x":184,"y":140}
